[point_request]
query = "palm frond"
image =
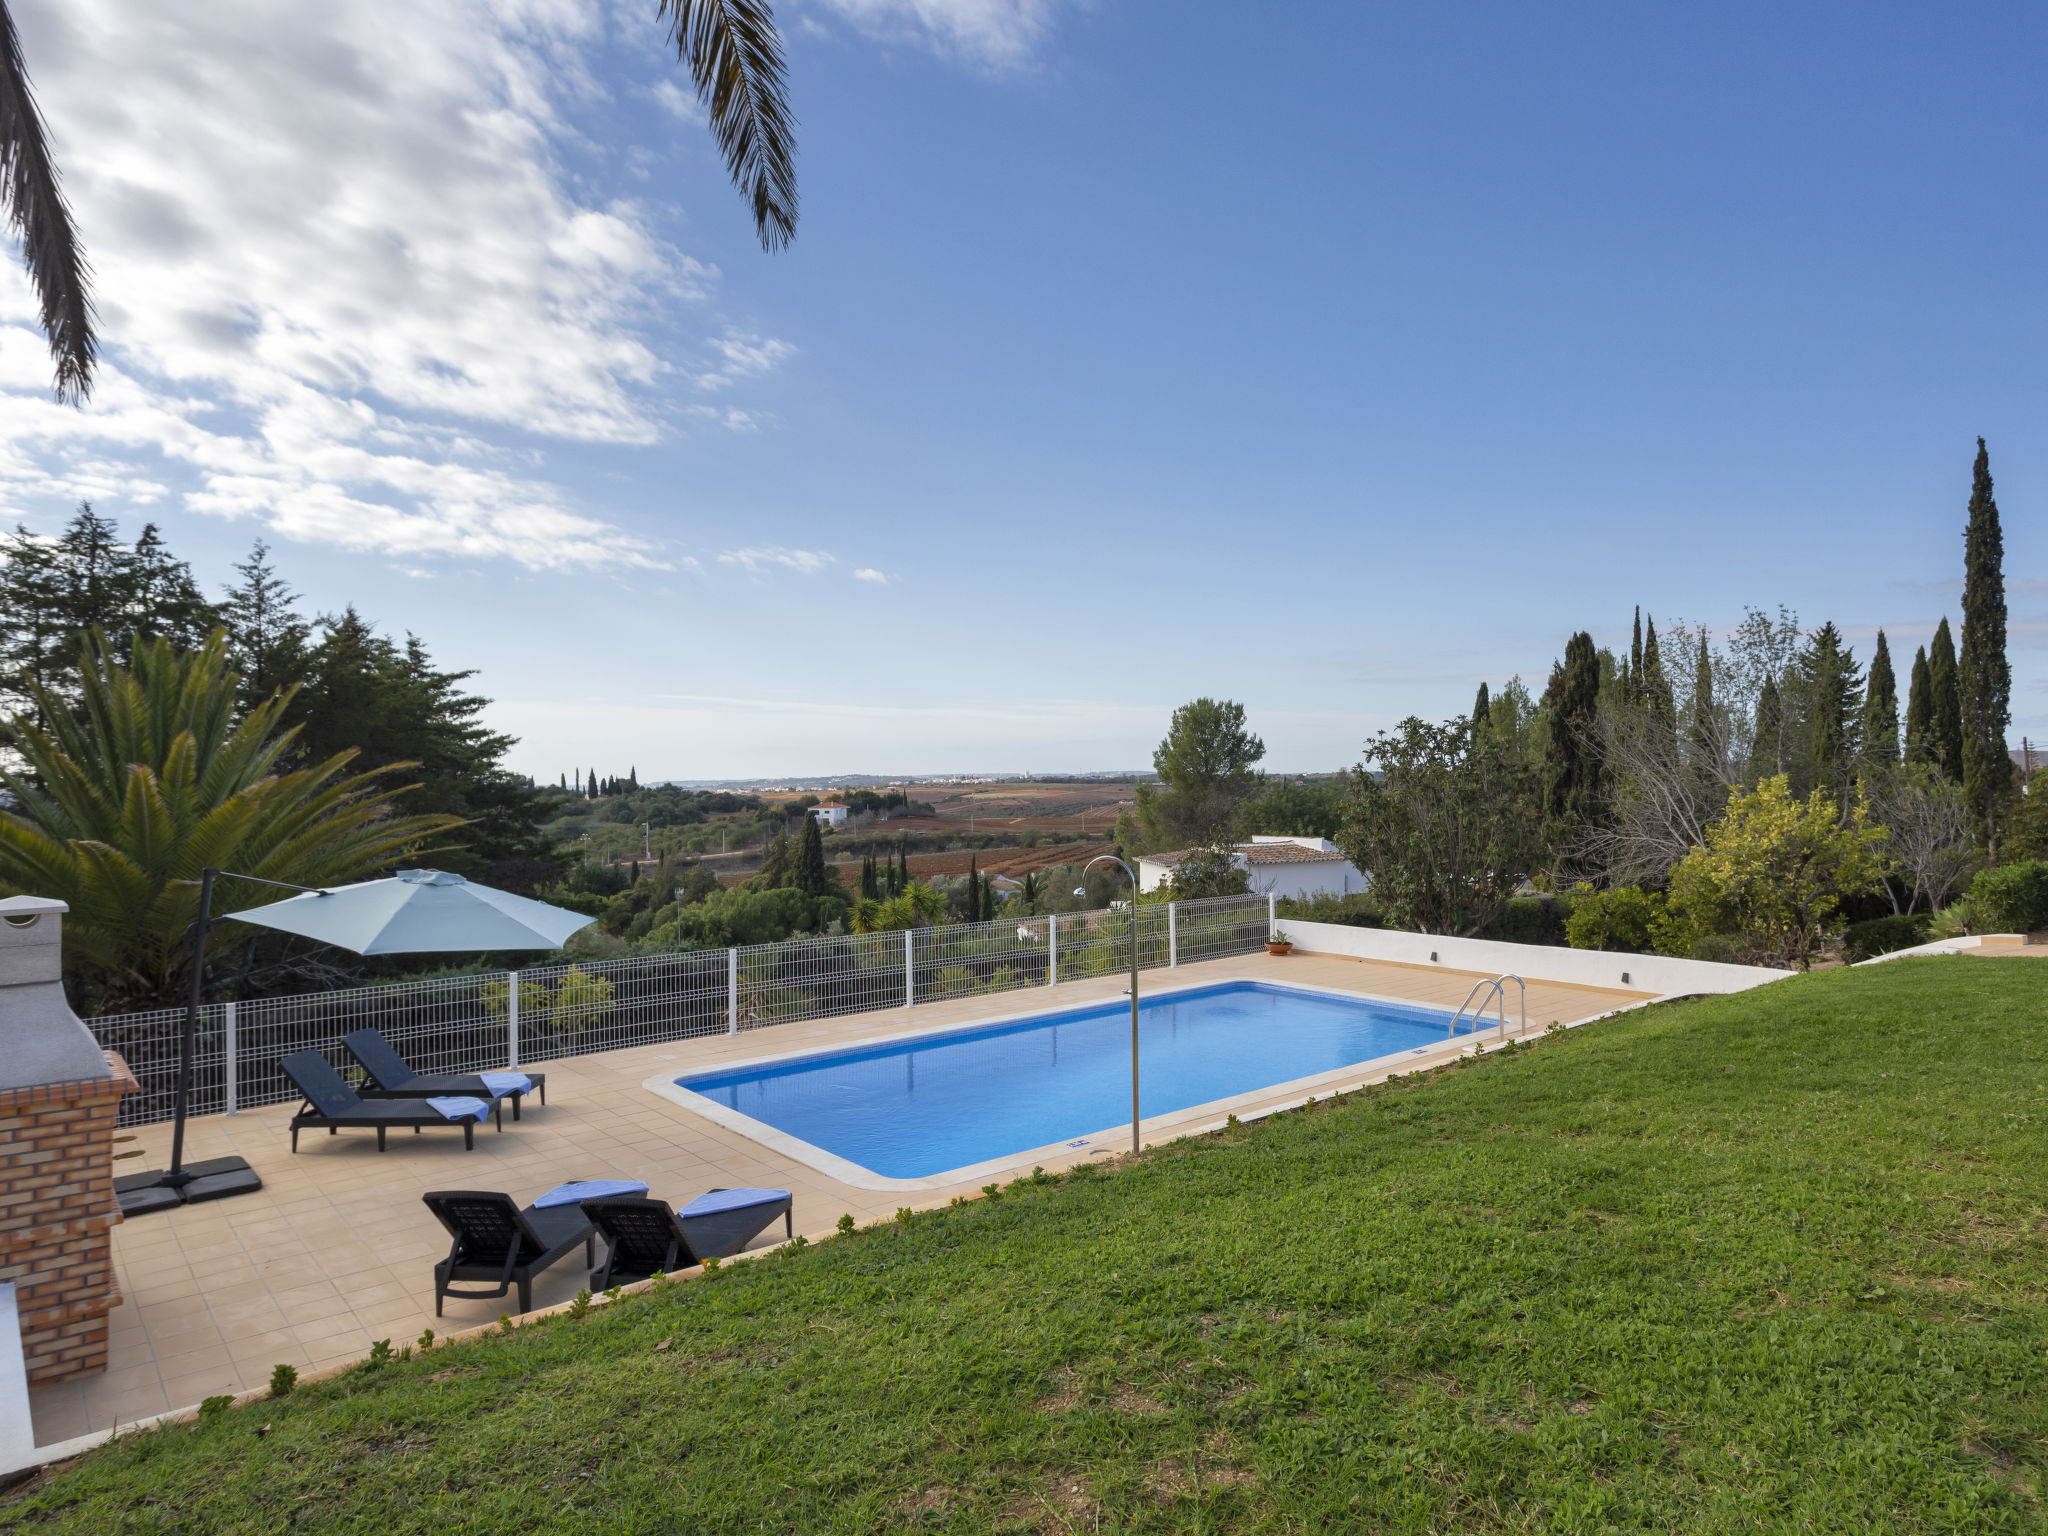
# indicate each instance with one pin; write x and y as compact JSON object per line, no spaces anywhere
{"x":735,"y":58}
{"x":37,"y":212}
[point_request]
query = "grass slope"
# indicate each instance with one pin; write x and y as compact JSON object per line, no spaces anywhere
{"x":1762,"y":1262}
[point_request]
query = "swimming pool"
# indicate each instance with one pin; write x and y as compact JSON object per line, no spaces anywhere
{"x":916,"y":1107}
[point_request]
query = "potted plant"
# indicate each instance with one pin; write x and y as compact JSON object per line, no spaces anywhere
{"x":1279,"y":944}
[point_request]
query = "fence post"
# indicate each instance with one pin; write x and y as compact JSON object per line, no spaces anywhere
{"x":732,"y":991}
{"x":910,"y":967}
{"x":229,"y":1032}
{"x":1052,"y":970}
{"x":1272,"y":914}
{"x":1172,"y":936}
{"x":511,"y":1021}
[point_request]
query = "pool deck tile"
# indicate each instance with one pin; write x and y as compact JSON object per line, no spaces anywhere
{"x":337,"y":1250}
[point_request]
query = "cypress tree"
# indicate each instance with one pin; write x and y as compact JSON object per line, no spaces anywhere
{"x":1945,"y":725}
{"x":1482,"y":711}
{"x":973,"y":891}
{"x":632,"y":778}
{"x":1766,"y":756}
{"x":810,"y":875}
{"x":1983,"y":675}
{"x":1881,"y":708}
{"x":1632,"y":686}
{"x":1653,"y":690}
{"x":1704,"y":743}
{"x":1920,"y":711}
{"x":1571,"y":789}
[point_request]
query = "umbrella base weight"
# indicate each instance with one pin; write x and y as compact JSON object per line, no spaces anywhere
{"x":214,"y":1179}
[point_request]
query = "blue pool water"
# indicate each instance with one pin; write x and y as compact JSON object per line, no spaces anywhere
{"x":915,"y":1108}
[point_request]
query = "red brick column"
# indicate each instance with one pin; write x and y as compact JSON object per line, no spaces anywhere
{"x":57,"y":1215}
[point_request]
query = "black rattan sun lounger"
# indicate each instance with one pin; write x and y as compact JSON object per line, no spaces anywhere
{"x":642,"y":1237}
{"x":391,"y":1078}
{"x":723,"y":1221}
{"x":496,"y":1241}
{"x":330,"y":1102}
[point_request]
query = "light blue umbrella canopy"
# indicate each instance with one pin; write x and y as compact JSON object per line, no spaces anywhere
{"x":416,"y":911}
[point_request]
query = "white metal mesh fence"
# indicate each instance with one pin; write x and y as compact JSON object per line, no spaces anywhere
{"x":502,"y":1018}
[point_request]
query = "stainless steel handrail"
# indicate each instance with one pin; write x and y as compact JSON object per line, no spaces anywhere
{"x":1496,"y":987}
{"x":1493,"y":986}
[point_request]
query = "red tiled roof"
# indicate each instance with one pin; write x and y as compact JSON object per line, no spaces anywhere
{"x":1259,"y":853}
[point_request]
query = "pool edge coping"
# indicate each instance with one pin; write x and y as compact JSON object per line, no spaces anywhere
{"x":1111,"y":1140}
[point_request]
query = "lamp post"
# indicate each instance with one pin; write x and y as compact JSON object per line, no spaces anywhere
{"x":1082,"y":890}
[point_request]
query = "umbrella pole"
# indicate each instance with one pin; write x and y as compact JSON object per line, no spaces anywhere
{"x":189,"y":1038}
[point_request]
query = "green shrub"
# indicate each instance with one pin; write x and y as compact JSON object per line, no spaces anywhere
{"x":2013,"y":898}
{"x":1882,"y":935}
{"x":1528,"y":920}
{"x":1624,"y":919}
{"x":1355,"y":911}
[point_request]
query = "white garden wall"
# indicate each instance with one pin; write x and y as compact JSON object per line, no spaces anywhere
{"x":1660,"y":974}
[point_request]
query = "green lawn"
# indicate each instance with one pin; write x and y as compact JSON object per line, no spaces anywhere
{"x":1763,"y":1262}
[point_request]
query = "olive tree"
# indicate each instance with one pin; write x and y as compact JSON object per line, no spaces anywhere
{"x":1448,"y":826}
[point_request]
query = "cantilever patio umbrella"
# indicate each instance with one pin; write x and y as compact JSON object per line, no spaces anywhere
{"x":415,"y":911}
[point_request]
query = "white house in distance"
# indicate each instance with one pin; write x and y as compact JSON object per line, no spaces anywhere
{"x":1279,"y":866}
{"x":830,"y":816}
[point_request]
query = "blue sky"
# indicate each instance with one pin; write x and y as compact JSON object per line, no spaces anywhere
{"x":1126,"y":352}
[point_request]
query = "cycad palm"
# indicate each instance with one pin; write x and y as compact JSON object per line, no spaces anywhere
{"x":153,"y":778}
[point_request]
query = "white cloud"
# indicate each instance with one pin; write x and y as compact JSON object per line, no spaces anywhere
{"x":989,"y":32}
{"x":808,"y":561}
{"x":338,"y":271}
{"x":869,"y":573}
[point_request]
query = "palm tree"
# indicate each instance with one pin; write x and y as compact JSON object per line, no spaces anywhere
{"x":38,"y":214}
{"x":151,"y":779}
{"x":731,"y":47}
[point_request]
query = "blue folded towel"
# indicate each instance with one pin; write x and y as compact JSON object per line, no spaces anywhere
{"x":462,"y":1108}
{"x":580,"y":1190}
{"x":502,"y":1083}
{"x":731,"y":1200}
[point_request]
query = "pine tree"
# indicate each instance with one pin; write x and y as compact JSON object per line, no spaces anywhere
{"x":266,"y":634}
{"x":1881,"y":708}
{"x":1482,"y":711}
{"x":1829,"y":679}
{"x":1983,"y":675}
{"x":1946,"y":722}
{"x":1572,"y":797}
{"x":1920,"y":711}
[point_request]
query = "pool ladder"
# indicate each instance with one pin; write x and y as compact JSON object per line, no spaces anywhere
{"x":1496,"y":989}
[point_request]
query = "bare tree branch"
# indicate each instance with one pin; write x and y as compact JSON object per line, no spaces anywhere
{"x":735,"y":58}
{"x":39,"y":216}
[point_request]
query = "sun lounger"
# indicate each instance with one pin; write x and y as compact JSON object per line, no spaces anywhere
{"x":330,"y":1102}
{"x":723,"y":1221}
{"x":391,"y":1078}
{"x":496,"y":1241}
{"x":642,"y":1237}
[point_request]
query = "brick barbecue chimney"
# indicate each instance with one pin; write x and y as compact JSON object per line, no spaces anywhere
{"x":59,"y":1097}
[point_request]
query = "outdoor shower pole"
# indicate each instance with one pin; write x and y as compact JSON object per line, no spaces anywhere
{"x":1120,"y":864}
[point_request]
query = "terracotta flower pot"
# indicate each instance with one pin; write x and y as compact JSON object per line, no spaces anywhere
{"x":1278,"y":949}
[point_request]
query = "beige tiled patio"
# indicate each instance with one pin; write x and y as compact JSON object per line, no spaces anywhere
{"x":337,"y":1251}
